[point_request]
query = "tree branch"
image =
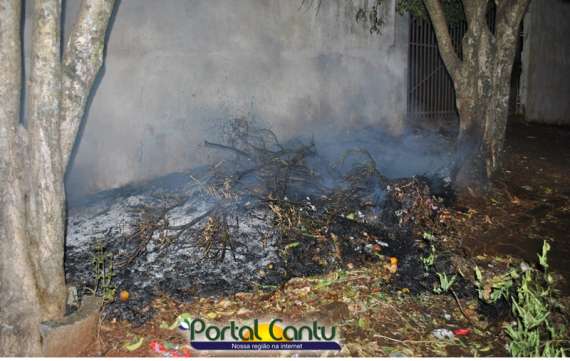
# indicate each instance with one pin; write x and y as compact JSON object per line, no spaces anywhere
{"x":45,"y":204}
{"x":509,"y":17}
{"x":44,"y":87}
{"x":82,"y":60}
{"x":475,"y":11}
{"x":446,"y":49}
{"x":510,"y":12}
{"x":19,"y":313}
{"x":10,"y":67}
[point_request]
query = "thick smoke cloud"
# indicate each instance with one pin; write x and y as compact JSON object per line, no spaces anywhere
{"x":174,"y":68}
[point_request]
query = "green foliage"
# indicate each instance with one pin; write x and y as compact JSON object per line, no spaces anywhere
{"x":531,"y":294}
{"x":496,"y":288}
{"x":103,"y":273}
{"x":445,"y":283}
{"x":453,"y":9}
{"x":534,"y":334}
{"x":429,"y":237}
{"x":429,"y":260}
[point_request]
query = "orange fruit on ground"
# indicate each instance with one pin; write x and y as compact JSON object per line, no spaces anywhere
{"x":124,"y":296}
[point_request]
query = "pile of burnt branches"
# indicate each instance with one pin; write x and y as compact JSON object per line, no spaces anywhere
{"x":261,"y":166}
{"x":362,"y":217}
{"x":313,"y":216}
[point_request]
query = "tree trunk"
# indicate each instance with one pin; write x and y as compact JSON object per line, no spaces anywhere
{"x":33,"y":160}
{"x":474,"y":88}
{"x":19,"y":299}
{"x":482,"y":84}
{"x":46,"y":197}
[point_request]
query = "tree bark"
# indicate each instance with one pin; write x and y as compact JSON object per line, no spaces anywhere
{"x":19,"y":301}
{"x":33,"y":160}
{"x":46,"y":197}
{"x":82,"y":60}
{"x":507,"y":29}
{"x":482,"y":84}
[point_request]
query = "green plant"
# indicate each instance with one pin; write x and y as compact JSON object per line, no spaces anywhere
{"x":429,"y":237}
{"x":103,"y":273}
{"x":445,"y":283}
{"x":500,"y":286}
{"x":429,"y":260}
{"x":533,"y":333}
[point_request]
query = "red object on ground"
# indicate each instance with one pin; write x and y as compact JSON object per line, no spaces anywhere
{"x":462,"y":332}
{"x":163,"y":351}
{"x":157,"y":346}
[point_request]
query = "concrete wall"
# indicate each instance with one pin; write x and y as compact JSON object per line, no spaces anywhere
{"x":174,"y":67}
{"x":545,"y":91}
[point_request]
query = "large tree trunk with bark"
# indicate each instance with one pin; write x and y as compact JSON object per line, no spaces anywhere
{"x":482,"y":84}
{"x":34,"y":156}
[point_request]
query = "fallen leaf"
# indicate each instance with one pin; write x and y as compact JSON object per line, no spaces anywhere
{"x":224,"y":303}
{"x":135,"y":344}
{"x":243,"y":312}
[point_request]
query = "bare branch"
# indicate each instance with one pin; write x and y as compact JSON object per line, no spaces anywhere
{"x":82,"y":60}
{"x":446,"y":49}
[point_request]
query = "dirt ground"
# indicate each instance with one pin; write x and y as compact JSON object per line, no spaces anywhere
{"x":373,"y":319}
{"x":531,"y":202}
{"x":528,"y":205}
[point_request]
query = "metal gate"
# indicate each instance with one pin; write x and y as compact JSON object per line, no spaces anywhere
{"x":431,"y":96}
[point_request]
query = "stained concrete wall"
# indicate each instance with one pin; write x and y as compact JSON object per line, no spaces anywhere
{"x":174,"y":67}
{"x":545,"y":91}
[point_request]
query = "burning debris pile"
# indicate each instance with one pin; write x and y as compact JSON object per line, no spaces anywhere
{"x":267,"y":213}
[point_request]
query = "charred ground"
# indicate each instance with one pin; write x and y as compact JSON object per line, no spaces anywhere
{"x":242,"y":235}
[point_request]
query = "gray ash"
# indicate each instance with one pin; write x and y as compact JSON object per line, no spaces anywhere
{"x":251,"y":222}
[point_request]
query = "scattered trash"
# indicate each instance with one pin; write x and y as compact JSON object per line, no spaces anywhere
{"x":443,"y":334}
{"x":182,"y":322}
{"x":157,"y":347}
{"x":168,"y":349}
{"x":462,"y":332}
{"x":383,"y":244}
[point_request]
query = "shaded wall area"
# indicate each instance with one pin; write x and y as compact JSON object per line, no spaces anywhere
{"x":174,"y":68}
{"x":546,"y":62}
